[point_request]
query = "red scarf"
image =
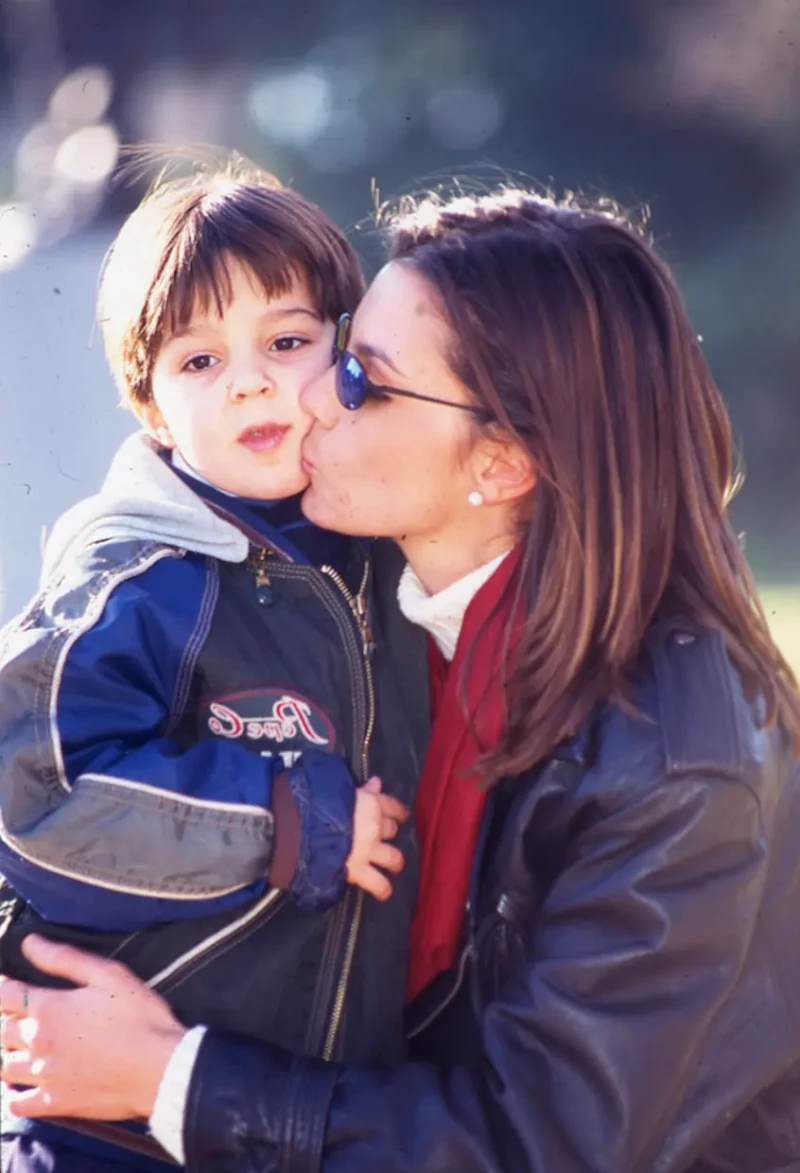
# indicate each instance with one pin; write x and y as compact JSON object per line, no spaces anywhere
{"x":450,"y":801}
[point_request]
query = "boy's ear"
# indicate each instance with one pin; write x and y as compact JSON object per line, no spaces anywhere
{"x":151,"y":419}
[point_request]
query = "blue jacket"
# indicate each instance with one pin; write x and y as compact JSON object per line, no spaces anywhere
{"x":180,"y":653}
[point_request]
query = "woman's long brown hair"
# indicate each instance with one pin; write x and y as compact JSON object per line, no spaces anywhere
{"x":570,"y":329}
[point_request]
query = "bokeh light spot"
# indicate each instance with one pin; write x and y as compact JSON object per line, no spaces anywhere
{"x":88,"y":155}
{"x":292,"y":108}
{"x":17,"y":234}
{"x":83,"y":96}
{"x":464,"y":116}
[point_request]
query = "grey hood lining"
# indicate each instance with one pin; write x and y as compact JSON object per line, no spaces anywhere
{"x":144,"y":499}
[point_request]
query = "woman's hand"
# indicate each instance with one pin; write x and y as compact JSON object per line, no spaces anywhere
{"x":98,"y":1051}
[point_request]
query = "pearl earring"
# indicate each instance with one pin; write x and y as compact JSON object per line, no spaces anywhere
{"x":475,"y":498}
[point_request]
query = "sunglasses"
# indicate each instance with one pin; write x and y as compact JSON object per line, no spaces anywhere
{"x":354,"y":387}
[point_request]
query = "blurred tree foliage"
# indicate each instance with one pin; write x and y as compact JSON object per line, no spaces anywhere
{"x":689,"y":106}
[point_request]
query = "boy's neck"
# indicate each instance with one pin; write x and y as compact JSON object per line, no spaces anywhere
{"x":281,"y":516}
{"x":179,"y":462}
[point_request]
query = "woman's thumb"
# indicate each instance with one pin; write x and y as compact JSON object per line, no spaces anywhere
{"x":64,"y":961}
{"x":373,"y":785}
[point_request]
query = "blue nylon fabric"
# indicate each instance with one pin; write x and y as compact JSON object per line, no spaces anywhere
{"x":115,"y":702}
{"x":323,"y":791}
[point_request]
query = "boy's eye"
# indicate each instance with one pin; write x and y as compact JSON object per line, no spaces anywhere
{"x":200,"y":362}
{"x":289,"y":342}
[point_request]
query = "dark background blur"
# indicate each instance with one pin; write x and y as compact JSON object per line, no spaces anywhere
{"x":689,"y":106}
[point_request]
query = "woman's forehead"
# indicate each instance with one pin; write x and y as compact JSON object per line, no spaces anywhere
{"x":399,"y":313}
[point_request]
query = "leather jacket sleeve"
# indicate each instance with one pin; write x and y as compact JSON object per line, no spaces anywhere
{"x":591,"y":1027}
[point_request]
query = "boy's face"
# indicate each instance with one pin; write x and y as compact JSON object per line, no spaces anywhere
{"x":226,"y":390}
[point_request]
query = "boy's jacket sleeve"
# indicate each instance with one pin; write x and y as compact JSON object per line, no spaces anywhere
{"x":104,"y":820}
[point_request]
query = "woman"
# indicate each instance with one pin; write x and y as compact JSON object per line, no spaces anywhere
{"x":611,"y":785}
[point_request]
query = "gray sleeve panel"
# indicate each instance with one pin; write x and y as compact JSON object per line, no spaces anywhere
{"x":172,"y":846}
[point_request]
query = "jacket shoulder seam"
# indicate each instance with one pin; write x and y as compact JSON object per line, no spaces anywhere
{"x":103,"y":584}
{"x":700,"y":725}
{"x":194,"y":644}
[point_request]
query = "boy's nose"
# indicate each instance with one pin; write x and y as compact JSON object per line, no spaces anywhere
{"x":248,"y":384}
{"x":318,"y":398}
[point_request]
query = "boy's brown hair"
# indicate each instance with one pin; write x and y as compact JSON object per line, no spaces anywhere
{"x":172,"y":253}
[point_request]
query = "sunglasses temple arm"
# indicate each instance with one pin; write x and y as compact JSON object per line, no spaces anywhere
{"x":479,"y":411}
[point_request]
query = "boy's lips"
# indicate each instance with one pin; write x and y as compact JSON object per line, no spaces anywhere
{"x":263,"y":437}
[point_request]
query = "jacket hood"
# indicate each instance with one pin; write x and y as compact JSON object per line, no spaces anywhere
{"x":143,"y":498}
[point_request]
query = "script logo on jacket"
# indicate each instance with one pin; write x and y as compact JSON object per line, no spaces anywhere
{"x":270,"y":720}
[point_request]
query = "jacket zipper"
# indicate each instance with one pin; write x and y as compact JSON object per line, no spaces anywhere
{"x":353,"y":905}
{"x":358,"y":605}
{"x":273,"y":900}
{"x":343,"y":608}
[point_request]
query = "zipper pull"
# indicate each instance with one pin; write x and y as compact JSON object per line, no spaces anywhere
{"x":264,"y":594}
{"x":367,"y":637}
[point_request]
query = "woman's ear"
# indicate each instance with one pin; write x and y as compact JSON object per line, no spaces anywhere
{"x":504,"y":471}
{"x":151,"y":419}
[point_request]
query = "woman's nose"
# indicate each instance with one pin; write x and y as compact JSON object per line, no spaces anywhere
{"x":318,"y":398}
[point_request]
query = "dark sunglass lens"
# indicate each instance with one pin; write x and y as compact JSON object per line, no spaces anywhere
{"x":351,"y":382}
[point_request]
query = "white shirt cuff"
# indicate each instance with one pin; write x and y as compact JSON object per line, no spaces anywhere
{"x":169,"y":1110}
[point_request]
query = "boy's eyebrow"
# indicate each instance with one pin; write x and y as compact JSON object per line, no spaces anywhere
{"x":188,"y":330}
{"x":295,"y":309}
{"x":185,"y":332}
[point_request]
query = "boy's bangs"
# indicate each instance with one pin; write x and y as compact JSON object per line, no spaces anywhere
{"x":201,"y":283}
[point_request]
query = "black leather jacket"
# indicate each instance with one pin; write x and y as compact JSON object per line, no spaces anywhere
{"x":629,"y":994}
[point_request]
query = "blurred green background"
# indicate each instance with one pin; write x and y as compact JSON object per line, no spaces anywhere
{"x":691,"y":107}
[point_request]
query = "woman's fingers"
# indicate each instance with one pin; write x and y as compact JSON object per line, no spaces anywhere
{"x":64,"y":961}
{"x":13,"y":997}
{"x":29,"y":1097}
{"x":30,"y":1092}
{"x":68,"y":1043}
{"x":11,"y":1035}
{"x":20,"y":1067}
{"x":31,"y":1103}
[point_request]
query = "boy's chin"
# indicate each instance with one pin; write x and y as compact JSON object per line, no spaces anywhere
{"x":279,"y":489}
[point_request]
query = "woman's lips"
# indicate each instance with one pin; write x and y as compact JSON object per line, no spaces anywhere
{"x":263,"y":437}
{"x":306,"y":464}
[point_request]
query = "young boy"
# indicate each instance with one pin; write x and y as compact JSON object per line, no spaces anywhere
{"x":188,"y":705}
